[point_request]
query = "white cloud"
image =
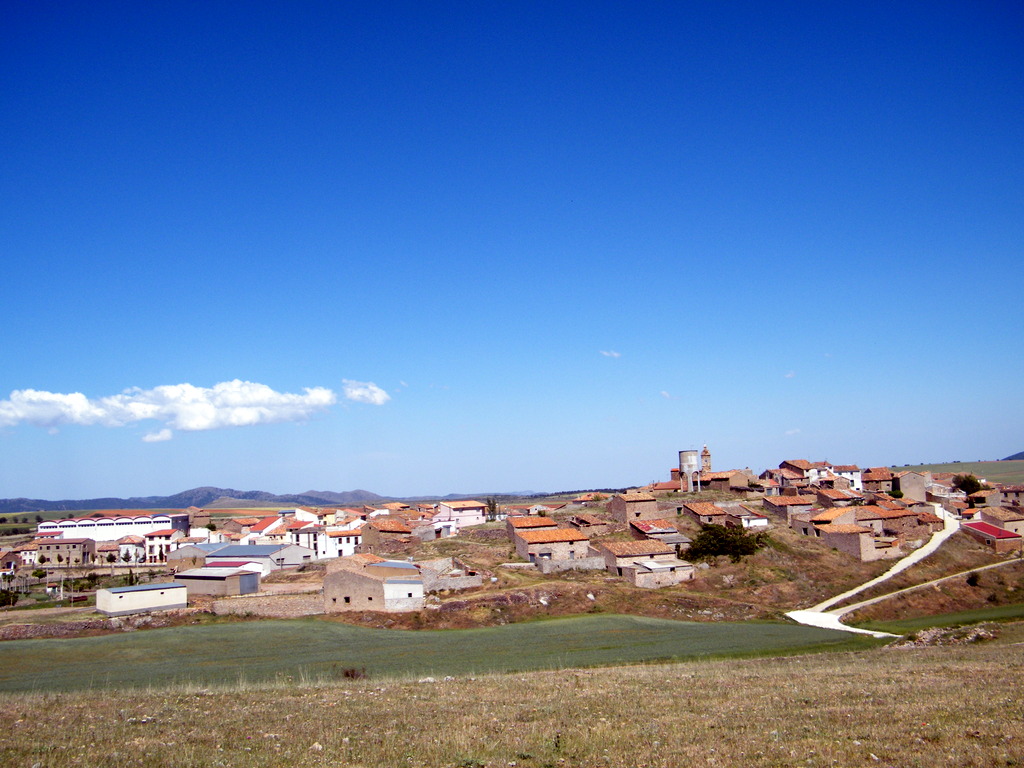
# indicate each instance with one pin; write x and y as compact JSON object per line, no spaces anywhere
{"x":792,"y":431}
{"x":666,"y":395}
{"x":610,"y":353}
{"x":790,"y":375}
{"x":364,"y":392}
{"x":179,"y":406}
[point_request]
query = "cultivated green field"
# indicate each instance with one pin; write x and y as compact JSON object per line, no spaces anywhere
{"x":993,"y":471}
{"x":312,"y":649}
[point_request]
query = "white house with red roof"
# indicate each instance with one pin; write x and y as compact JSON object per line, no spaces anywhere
{"x":159,"y":543}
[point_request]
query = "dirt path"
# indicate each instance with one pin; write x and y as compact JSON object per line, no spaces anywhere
{"x":817,"y":615}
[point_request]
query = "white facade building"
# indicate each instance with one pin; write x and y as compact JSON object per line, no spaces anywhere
{"x":113,"y":527}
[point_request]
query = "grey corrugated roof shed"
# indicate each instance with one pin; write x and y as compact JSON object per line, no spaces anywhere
{"x":147,"y":587}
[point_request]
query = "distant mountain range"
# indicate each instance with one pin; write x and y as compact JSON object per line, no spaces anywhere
{"x":1015,"y":457}
{"x":206,"y":497}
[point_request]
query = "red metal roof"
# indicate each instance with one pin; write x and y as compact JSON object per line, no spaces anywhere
{"x":991,"y":530}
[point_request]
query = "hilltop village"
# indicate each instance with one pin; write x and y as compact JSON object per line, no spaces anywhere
{"x":400,"y":558}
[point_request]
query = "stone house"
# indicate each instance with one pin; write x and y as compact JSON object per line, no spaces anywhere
{"x":786,"y":506}
{"x":384,"y":530}
{"x":857,"y":540}
{"x":1000,"y":540}
{"x":625,"y":507}
{"x":551,"y":544}
{"x":1008,"y":518}
{"x":664,"y":531}
{"x":913,"y":485}
{"x":448,"y":573}
{"x":877,"y":479}
{"x":647,"y":563}
{"x":53,"y":552}
{"x":704,"y":512}
{"x":370,"y":583}
{"x":515,"y":523}
{"x":836,"y":497}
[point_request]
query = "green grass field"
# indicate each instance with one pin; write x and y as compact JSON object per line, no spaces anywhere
{"x":312,"y":649}
{"x":993,"y":471}
{"x":905,"y":627}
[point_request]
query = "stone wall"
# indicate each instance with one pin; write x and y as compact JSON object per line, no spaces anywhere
{"x":277,"y":606}
{"x":579,"y":564}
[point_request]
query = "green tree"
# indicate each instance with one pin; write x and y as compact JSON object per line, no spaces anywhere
{"x":717,"y":540}
{"x":492,"y":508}
{"x":39,"y":573}
{"x":967,"y":483}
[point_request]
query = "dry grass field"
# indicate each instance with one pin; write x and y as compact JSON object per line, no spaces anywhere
{"x":935,"y":706}
{"x":993,"y":471}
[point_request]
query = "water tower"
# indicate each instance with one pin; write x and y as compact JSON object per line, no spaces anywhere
{"x":689,"y":465}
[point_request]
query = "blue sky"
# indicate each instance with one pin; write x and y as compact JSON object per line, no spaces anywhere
{"x":426,"y":249}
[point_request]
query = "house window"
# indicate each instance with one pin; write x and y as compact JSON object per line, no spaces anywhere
{"x":347,"y":599}
{"x":410,"y":594}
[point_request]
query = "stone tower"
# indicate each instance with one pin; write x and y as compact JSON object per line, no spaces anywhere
{"x":705,"y":460}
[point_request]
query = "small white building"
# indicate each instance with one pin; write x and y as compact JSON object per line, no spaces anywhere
{"x":121,"y":601}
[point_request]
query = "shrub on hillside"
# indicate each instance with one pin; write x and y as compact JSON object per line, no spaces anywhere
{"x":717,"y":540}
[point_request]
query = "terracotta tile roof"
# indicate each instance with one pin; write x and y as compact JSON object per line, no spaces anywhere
{"x":789,"y":501}
{"x":366,"y":558}
{"x":842,"y":528}
{"x":107,"y":546}
{"x":704,"y":508}
{"x":799,"y":464}
{"x":666,"y":486}
{"x":893,"y":514}
{"x":708,"y":476}
{"x":388,"y":525}
{"x":838,"y":494}
{"x":524,"y":521}
{"x":551,"y":535}
{"x":928,"y":517}
{"x":131,"y":539}
{"x":339,"y":534}
{"x":828,"y":515}
{"x":788,"y":474}
{"x":1004,"y":514}
{"x":637,"y":548}
{"x":846,"y":468}
{"x":162,"y":532}
{"x":868,"y":512}
{"x":876,"y":474}
{"x":636,"y":497}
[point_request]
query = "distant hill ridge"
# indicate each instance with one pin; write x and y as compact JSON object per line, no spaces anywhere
{"x":1015,"y":457}
{"x":206,"y":496}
